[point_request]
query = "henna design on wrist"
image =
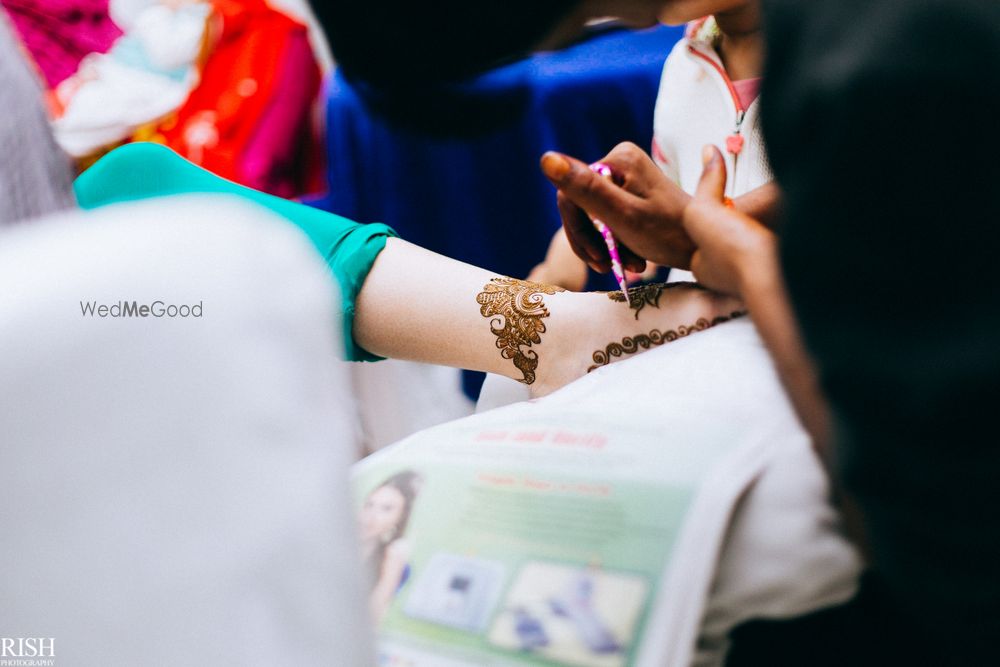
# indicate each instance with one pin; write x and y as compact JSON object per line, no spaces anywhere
{"x":517,"y":308}
{"x":632,"y":344}
{"x":648,"y":295}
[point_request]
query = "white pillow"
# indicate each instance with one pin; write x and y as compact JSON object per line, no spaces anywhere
{"x":173,"y":490}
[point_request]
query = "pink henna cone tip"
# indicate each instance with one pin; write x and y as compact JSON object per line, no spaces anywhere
{"x":601,"y":169}
{"x":604,"y":170}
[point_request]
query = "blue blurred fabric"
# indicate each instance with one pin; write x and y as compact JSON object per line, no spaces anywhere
{"x":481,"y":198}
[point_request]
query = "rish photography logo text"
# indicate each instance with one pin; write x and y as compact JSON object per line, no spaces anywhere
{"x":27,"y":651}
{"x":158,"y":309}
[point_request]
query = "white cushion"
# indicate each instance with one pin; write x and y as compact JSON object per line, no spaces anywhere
{"x":173,"y":491}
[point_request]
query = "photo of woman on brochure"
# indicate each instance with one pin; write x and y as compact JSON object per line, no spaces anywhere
{"x":383,"y":519}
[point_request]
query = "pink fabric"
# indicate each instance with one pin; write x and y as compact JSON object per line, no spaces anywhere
{"x":59,"y":33}
{"x":747,"y":90}
{"x":276,"y":158}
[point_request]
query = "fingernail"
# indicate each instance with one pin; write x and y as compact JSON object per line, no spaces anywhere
{"x":707,"y":155}
{"x":555,"y":166}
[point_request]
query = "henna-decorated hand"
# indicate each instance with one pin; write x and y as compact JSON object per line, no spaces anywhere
{"x":643,"y":208}
{"x":732,"y":248}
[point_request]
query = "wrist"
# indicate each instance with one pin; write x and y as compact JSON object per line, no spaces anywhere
{"x":758,"y":270}
{"x":683,"y":199}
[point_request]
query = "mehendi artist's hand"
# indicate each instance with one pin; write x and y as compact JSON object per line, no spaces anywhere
{"x":733,"y":249}
{"x":642,"y":207}
{"x":738,"y":255}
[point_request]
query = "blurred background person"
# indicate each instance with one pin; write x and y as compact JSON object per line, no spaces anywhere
{"x":232,"y":85}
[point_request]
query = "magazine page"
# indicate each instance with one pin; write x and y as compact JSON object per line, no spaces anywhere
{"x":536,"y":535}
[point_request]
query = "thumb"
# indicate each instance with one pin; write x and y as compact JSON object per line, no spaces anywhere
{"x":712,"y":186}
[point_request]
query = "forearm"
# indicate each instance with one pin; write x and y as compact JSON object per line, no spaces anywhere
{"x":763,"y":291}
{"x":561,"y":266}
{"x":737,"y":255}
{"x":421,"y":306}
{"x":770,"y":309}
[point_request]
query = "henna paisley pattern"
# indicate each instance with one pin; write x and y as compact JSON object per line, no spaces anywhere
{"x":632,"y":344}
{"x":517,"y":308}
{"x":647,"y":295}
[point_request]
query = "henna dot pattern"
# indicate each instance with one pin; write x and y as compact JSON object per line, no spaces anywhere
{"x":516,"y":308}
{"x":632,"y":344}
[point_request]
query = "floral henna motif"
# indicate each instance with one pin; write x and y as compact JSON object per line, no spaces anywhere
{"x":647,"y":295}
{"x":517,"y":308}
{"x":632,"y":344}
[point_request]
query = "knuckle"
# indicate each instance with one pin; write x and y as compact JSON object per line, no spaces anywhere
{"x":626,"y":154}
{"x":630,"y":148}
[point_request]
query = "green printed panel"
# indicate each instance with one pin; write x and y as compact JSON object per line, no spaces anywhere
{"x":534,"y":569}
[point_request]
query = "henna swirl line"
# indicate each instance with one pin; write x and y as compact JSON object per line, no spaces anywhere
{"x":648,"y":294}
{"x":632,"y":344}
{"x":516,"y":309}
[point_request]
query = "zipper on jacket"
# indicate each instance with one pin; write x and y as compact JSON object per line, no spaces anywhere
{"x":734,"y":142}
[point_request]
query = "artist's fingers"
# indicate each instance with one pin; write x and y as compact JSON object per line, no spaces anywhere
{"x":595,"y":194}
{"x":631,"y":166}
{"x":712,"y":186}
{"x":630,"y":260}
{"x":583,"y":238}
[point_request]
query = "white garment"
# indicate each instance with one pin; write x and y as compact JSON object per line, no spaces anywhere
{"x":174,"y":491}
{"x":772,"y":547}
{"x":784,"y":536}
{"x":398,"y":398}
{"x":783,"y":553}
{"x":695,"y":107}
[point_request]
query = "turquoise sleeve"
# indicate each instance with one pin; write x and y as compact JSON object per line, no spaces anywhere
{"x":144,"y":170}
